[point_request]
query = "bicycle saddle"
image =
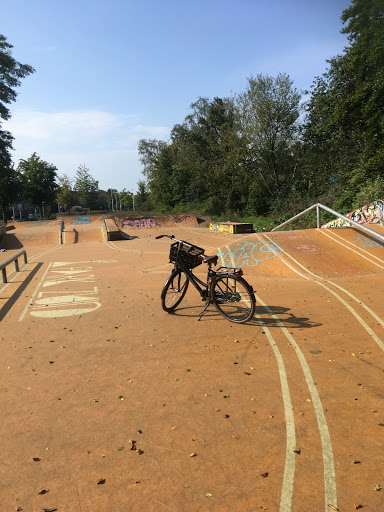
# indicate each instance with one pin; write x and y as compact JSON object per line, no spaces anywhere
{"x":210,"y":259}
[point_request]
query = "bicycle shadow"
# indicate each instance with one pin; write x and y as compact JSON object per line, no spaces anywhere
{"x":262,"y":317}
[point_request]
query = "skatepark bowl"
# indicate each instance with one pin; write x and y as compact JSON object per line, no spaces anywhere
{"x":111,"y":404}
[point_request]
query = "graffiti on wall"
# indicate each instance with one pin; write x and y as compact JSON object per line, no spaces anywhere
{"x":184,"y":219}
{"x":251,"y":254}
{"x":81,"y":220}
{"x":142,"y":222}
{"x":221,"y":228}
{"x":372,"y":213}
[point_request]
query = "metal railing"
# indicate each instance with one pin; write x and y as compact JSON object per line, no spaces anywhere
{"x":319,"y":207}
{"x":15,"y":258}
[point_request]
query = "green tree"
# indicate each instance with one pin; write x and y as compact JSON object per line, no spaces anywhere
{"x":126,"y":199}
{"x":86,"y":188}
{"x":9,"y":178}
{"x":344,"y":132}
{"x":149,"y":151}
{"x":11,"y":73}
{"x":269,"y":110}
{"x":66,"y":196}
{"x":38,"y":182}
{"x":142,"y":195}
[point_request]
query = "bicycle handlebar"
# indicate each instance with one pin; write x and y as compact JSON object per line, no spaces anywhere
{"x":172,"y":237}
{"x":168,"y":236}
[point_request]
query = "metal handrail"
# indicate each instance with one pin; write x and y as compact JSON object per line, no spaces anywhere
{"x":15,"y":258}
{"x":320,"y":207}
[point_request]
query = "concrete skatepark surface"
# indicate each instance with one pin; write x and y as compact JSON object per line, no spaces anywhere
{"x":284,"y":413}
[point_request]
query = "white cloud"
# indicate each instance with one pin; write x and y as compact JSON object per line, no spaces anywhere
{"x":103,"y":141}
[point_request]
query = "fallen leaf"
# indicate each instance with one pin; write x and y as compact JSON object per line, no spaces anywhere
{"x":44,"y":491}
{"x":248,"y":373}
{"x":357,"y":506}
{"x":121,"y":448}
{"x":332,"y":507}
{"x":356,"y":462}
{"x":49,"y":509}
{"x":377,"y":487}
{"x":139,"y":452}
{"x":121,"y":397}
{"x":193,"y":454}
{"x":208,"y":495}
{"x":36,"y":459}
{"x":101,"y":481}
{"x":264,"y":475}
{"x":298,"y":451}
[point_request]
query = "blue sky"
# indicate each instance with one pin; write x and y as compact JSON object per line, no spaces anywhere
{"x":112,"y":72}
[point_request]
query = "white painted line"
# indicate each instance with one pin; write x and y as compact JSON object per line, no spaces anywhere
{"x":367,"y":308}
{"x":326,"y":444}
{"x":290,"y":457}
{"x":354,"y":313}
{"x":21,"y":318}
{"x":349,"y":249}
{"x":331,"y":234}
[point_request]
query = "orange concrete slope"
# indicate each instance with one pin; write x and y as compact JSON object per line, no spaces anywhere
{"x":111,"y":404}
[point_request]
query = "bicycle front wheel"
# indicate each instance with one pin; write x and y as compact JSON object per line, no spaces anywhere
{"x":233,"y":297}
{"x":174,"y":290}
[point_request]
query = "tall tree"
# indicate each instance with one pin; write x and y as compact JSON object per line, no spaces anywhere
{"x":66,"y":196}
{"x":11,"y":73}
{"x":86,"y":187}
{"x":269,"y":111}
{"x":344,"y":132}
{"x":38,"y":181}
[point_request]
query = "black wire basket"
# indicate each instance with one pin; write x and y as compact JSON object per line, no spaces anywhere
{"x":189,"y":254}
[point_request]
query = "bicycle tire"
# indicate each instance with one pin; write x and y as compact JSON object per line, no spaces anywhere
{"x":174,"y":290}
{"x":233,"y":297}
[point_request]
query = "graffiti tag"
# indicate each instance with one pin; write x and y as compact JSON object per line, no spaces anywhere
{"x":372,"y":213}
{"x":81,"y":220}
{"x":221,"y":228}
{"x":366,"y":242}
{"x":143,"y":222}
{"x":251,"y":254}
{"x":188,"y":219}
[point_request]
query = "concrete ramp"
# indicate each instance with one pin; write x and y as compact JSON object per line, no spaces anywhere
{"x":114,"y":233}
{"x":333,"y":253}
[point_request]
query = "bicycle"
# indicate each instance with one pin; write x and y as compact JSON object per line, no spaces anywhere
{"x":225,"y":287}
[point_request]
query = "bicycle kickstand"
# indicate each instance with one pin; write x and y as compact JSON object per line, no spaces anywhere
{"x":204,"y":310}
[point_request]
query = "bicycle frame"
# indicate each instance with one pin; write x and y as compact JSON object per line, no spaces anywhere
{"x":194,"y":279}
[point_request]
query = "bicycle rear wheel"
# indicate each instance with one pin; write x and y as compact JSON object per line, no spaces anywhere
{"x":174,"y":290}
{"x":233,"y":297}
